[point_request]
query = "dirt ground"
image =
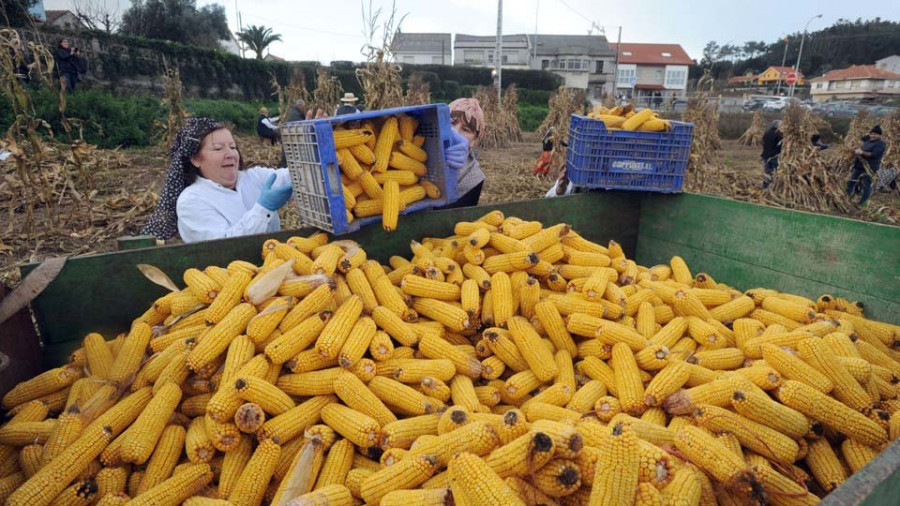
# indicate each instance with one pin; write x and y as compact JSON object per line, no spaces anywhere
{"x":125,"y":185}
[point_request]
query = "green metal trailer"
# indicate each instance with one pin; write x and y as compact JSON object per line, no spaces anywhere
{"x":744,"y":245}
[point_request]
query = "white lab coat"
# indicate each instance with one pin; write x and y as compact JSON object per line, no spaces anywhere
{"x":208,"y":210}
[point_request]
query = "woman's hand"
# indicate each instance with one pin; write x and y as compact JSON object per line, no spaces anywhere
{"x":274,"y":199}
{"x":458,"y":151}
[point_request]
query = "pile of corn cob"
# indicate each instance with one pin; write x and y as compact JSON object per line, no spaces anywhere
{"x":624,"y":117}
{"x":381,"y":168}
{"x":508,"y":364}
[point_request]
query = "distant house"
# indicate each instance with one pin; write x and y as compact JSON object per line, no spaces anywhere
{"x":890,"y":64}
{"x":742,"y":81}
{"x":66,"y":20}
{"x":478,"y":51}
{"x":272,"y":57}
{"x":648,"y":71}
{"x":772,"y":75}
{"x":855,"y":82}
{"x":230,"y":45}
{"x":584,"y":61}
{"x":422,"y":48}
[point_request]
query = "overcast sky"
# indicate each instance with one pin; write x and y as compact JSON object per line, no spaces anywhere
{"x":327,"y":30}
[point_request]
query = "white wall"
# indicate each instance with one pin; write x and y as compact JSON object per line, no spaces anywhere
{"x":424,"y":58}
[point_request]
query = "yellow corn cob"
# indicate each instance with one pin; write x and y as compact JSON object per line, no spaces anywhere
{"x":363,"y":154}
{"x":760,"y":408}
{"x":792,"y":368}
{"x":356,"y":395}
{"x":431,"y":189}
{"x":412,"y":151}
{"x":29,"y":461}
{"x":391,"y":206}
{"x":147,"y":429}
{"x":755,"y":436}
{"x":217,"y":339}
{"x":353,"y":137}
{"x":831,"y":412}
{"x":824,"y":465}
{"x":473,"y":482}
{"x":388,"y":135}
{"x":402,"y":433}
{"x":197,"y":443}
{"x":360,"y":429}
{"x":560,"y":477}
{"x":402,"y":162}
{"x":162,"y":462}
{"x":452,"y":316}
{"x":616,"y":475}
{"x":407,"y":474}
{"x":629,"y":386}
{"x":201,"y":286}
{"x":551,"y":321}
{"x":685,"y":488}
{"x":817,"y":354}
{"x":536,"y":355}
{"x":422,"y":287}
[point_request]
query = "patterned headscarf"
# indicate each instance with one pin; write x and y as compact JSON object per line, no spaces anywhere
{"x":471,"y":111}
{"x":163,"y":223}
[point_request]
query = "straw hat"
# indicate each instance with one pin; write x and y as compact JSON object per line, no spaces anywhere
{"x":349,"y":98}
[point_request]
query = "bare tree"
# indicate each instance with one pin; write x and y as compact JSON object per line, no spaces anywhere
{"x":98,"y":14}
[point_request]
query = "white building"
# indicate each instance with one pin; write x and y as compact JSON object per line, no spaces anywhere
{"x":890,"y":64}
{"x":855,"y":82}
{"x":649,"y":72}
{"x":478,"y":51}
{"x":585,"y":61}
{"x":422,"y":48}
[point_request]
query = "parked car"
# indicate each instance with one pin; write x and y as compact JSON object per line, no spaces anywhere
{"x":883,"y":110}
{"x":776,"y":105}
{"x":757,"y":103}
{"x":837,"y":109}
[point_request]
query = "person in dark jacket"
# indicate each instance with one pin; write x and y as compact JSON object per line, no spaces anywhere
{"x":817,"y":142}
{"x":67,"y":64}
{"x":866,"y":165}
{"x":771,"y":142}
{"x":296,"y":112}
{"x":265,"y":126}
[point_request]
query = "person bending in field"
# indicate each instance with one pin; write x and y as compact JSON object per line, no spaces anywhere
{"x":771,"y":142}
{"x":467,"y":120}
{"x":208,"y":194}
{"x":866,"y":165}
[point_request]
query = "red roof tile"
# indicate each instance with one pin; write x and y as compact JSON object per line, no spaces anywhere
{"x":652,"y":54}
{"x":857,"y":72}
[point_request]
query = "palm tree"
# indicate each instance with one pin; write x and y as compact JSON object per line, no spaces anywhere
{"x":258,"y":38}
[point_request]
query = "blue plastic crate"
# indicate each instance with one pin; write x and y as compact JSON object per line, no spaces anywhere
{"x":312,"y":161}
{"x":617,"y":159}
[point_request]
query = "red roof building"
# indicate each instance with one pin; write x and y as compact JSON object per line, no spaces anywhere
{"x":854,"y":82}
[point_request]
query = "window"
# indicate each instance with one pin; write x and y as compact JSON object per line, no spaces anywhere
{"x":598,"y":67}
{"x":676,"y":77}
{"x":666,"y":55}
{"x":409,"y":59}
{"x":545,"y":64}
{"x":626,"y":53}
{"x":474,"y":56}
{"x":623,"y":79}
{"x":437,"y":60}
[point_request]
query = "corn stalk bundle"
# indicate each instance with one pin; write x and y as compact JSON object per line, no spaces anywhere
{"x":510,"y":113}
{"x":753,"y":135}
{"x":173,"y":101}
{"x":859,"y":126}
{"x":891,"y":126}
{"x":418,"y":92}
{"x":563,"y":104}
{"x":328,"y":92}
{"x":381,"y":81}
{"x":804,"y":180}
{"x":296,"y":88}
{"x":493,"y":136}
{"x":703,"y":112}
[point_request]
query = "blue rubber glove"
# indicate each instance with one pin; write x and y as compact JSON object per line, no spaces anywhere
{"x":456,"y":154}
{"x":274,"y":198}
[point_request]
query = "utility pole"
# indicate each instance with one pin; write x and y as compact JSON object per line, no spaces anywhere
{"x":615,"y":86}
{"x":787,"y":42}
{"x":534,"y":49}
{"x":800,"y":53}
{"x":498,"y":51}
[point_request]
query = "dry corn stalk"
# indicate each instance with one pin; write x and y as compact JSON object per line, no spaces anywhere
{"x":703,"y":112}
{"x":563,"y":104}
{"x":803,"y":179}
{"x":859,"y":126}
{"x":418,"y":92}
{"x":328,"y":92}
{"x":380,"y":77}
{"x":753,"y":135}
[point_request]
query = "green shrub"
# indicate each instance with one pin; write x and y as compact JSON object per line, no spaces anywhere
{"x":536,"y":97}
{"x":531,"y":116}
{"x":242,"y":115}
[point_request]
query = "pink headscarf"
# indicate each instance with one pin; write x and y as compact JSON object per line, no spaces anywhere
{"x":471,"y":111}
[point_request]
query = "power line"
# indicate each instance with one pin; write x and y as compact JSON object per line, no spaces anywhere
{"x":575,"y":11}
{"x":300,"y":27}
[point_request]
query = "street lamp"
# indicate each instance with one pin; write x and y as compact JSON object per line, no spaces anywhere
{"x":800,"y":53}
